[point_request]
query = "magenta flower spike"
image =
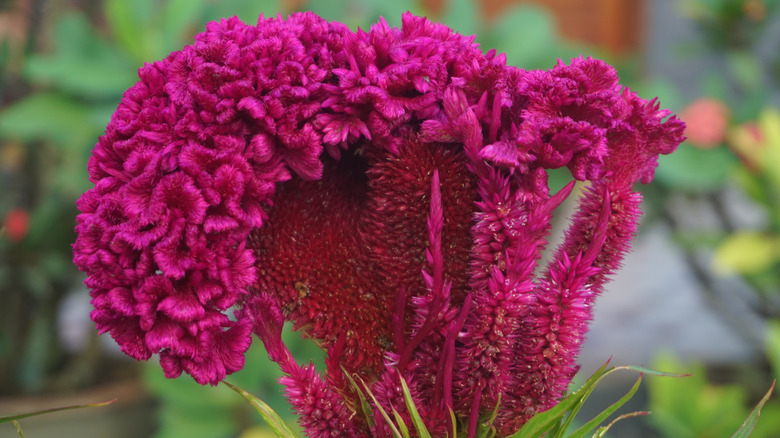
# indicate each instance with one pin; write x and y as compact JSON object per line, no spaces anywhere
{"x":386,"y":192}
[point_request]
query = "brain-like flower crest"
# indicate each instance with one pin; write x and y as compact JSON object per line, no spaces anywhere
{"x":386,"y":191}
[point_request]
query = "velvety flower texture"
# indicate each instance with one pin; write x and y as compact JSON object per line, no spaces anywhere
{"x":386,"y":191}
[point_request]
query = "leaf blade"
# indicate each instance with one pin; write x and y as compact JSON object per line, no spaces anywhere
{"x":747,"y":427}
{"x":274,"y":421}
{"x":15,"y":417}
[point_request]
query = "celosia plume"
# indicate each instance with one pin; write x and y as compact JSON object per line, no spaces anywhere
{"x":386,"y":191}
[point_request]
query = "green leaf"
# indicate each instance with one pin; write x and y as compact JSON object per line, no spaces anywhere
{"x":419,"y":425}
{"x":368,"y":413}
{"x":544,"y":421}
{"x":18,"y":429}
{"x":454,"y":423}
{"x":695,"y":170}
{"x":486,"y":428}
{"x":602,"y":431}
{"x":274,"y":421}
{"x":691,"y":407}
{"x":600,"y":418}
{"x":746,"y":252}
{"x":49,"y":116}
{"x":401,"y":424}
{"x":750,"y":423}
{"x":390,"y":424}
{"x":83,"y":63}
{"x":16,"y":417}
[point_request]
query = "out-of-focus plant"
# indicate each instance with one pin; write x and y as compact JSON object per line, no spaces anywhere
{"x":190,"y":410}
{"x":55,"y":99}
{"x":724,"y":183}
{"x":694,"y":408}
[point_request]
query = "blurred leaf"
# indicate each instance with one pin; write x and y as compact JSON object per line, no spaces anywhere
{"x":462,"y":16}
{"x":185,"y":392}
{"x":769,"y":122}
{"x":527,"y":35}
{"x":190,"y":410}
{"x":49,"y":116}
{"x":179,"y":20}
{"x":186,"y":422}
{"x":83,"y":63}
{"x":51,"y":225}
{"x":18,"y":429}
{"x":752,"y":185}
{"x":15,"y":417}
{"x":746,"y":252}
{"x":691,"y":408}
{"x":257,"y":432}
{"x":363,"y":13}
{"x":715,"y":86}
{"x":664,"y":89}
{"x":695,"y":170}
{"x":773,"y":346}
{"x":130,"y":23}
{"x":247,"y":11}
{"x":745,"y":69}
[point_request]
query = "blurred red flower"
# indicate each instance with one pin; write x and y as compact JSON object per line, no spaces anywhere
{"x":706,"y":121}
{"x":16,"y":224}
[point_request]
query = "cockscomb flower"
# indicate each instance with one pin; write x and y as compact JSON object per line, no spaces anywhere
{"x":386,"y":192}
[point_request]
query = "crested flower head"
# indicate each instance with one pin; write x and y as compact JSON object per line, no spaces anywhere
{"x":386,"y":191}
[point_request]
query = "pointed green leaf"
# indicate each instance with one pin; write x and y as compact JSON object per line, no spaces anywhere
{"x":382,"y":411}
{"x":454,"y":424}
{"x":486,"y":428}
{"x":544,"y":421}
{"x":585,"y":392}
{"x":274,"y":421}
{"x":604,"y":429}
{"x":600,"y":418}
{"x":401,"y":424}
{"x":15,"y":417}
{"x":419,"y":425}
{"x":746,"y":429}
{"x":18,"y":429}
{"x":365,"y":406}
{"x":650,"y":372}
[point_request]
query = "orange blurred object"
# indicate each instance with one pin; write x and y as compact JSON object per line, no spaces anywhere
{"x":706,"y":121}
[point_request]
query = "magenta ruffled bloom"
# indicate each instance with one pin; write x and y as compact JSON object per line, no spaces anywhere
{"x":386,"y":192}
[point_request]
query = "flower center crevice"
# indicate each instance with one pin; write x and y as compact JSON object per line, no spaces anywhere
{"x":335,"y":252}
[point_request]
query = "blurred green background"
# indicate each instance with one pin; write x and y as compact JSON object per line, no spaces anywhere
{"x":65,"y":64}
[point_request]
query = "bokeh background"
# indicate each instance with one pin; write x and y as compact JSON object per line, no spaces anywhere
{"x":699,"y":294}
